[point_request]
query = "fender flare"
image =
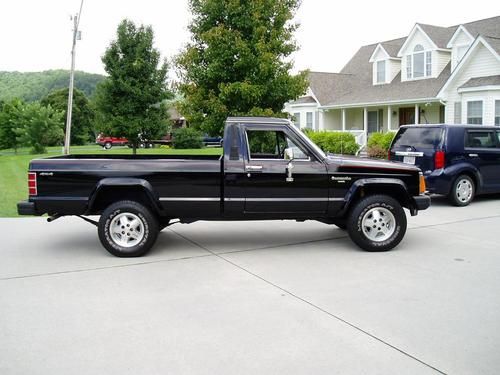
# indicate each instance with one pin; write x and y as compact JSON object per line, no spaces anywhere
{"x":360,"y":184}
{"x":125,"y":182}
{"x":455,"y":170}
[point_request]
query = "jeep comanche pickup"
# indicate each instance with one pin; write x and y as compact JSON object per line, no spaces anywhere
{"x":269,"y":171}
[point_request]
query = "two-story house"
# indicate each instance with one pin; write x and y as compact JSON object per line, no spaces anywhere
{"x":434,"y":75}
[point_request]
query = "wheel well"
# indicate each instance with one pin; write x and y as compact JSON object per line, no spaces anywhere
{"x":471,"y":175}
{"x":394,"y":191}
{"x":111,"y":194}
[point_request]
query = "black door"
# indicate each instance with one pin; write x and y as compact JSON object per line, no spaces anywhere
{"x":277,"y":185}
{"x":483,"y":152}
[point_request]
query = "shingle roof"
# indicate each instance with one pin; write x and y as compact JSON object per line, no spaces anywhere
{"x":354,"y":84}
{"x":494,"y":43}
{"x":304,"y":100}
{"x":488,"y":26}
{"x":439,"y":35}
{"x":482,"y":81}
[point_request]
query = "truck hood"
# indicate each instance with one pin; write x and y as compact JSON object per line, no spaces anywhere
{"x":338,"y":163}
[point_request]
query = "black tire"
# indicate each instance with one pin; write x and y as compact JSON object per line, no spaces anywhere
{"x":462,"y":191}
{"x":147,"y":233}
{"x":364,"y":211}
{"x":108,"y":145}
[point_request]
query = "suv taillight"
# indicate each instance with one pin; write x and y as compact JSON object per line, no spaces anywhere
{"x":32,"y":183}
{"x":439,"y":159}
{"x":389,"y":154}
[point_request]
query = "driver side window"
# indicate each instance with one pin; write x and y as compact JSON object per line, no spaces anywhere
{"x":271,"y":144}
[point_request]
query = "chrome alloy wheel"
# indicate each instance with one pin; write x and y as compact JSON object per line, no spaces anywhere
{"x":378,"y":224}
{"x":464,"y":190}
{"x":126,"y":229}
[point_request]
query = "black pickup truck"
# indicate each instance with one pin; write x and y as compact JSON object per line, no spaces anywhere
{"x":269,"y":171}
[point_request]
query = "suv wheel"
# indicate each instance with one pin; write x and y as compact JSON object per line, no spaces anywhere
{"x":377,"y":223}
{"x":462,"y":191}
{"x":108,"y":145}
{"x":127,"y":229}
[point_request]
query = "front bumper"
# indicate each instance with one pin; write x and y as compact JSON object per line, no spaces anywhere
{"x":422,"y":202}
{"x":26,"y":208}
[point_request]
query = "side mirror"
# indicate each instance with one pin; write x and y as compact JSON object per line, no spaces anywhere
{"x":288,"y":153}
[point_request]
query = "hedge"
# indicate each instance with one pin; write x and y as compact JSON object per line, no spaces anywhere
{"x":379,"y":144}
{"x":334,"y":142}
{"x":184,"y":138}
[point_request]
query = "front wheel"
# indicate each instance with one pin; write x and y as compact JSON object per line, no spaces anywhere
{"x":377,"y":223}
{"x":108,"y":145}
{"x":127,"y":229}
{"x":462,"y":192}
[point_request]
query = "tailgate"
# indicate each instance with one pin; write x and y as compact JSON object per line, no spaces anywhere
{"x":417,"y":146}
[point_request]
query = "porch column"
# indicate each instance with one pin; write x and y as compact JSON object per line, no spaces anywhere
{"x":389,"y":118}
{"x":417,"y":114}
{"x":321,"y":124}
{"x":343,"y":119}
{"x":365,"y":121}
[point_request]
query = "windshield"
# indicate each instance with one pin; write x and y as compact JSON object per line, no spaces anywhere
{"x":418,"y":138}
{"x":306,"y":139}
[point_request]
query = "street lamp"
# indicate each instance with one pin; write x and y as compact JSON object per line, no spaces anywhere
{"x":77,"y":35}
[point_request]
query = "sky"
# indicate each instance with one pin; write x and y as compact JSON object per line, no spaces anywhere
{"x":35,"y":35}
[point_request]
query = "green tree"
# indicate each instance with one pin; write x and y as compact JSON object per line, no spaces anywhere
{"x":82,"y":117}
{"x":11,"y":120}
{"x":42,"y":127}
{"x":130,"y":99}
{"x":238,"y":61}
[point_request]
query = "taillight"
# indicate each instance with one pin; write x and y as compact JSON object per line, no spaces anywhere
{"x":439,"y":159}
{"x":32,"y":184}
{"x":389,"y":155}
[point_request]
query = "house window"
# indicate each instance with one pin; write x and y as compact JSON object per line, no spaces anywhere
{"x":475,"y":112}
{"x":458,"y":113}
{"x":297,"y":119}
{"x":408,"y":67}
{"x":419,"y":63}
{"x":380,"y":71}
{"x":428,"y":63}
{"x":497,"y":112}
{"x":309,"y":120}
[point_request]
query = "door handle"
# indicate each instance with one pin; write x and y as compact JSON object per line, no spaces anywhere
{"x":254,"y":168}
{"x":474,"y":155}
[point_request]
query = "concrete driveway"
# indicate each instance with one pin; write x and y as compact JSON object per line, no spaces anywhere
{"x":254,"y":298}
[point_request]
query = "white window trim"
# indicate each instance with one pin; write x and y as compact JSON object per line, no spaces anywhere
{"x":467,"y":110}
{"x":412,"y":56}
{"x":376,"y":73}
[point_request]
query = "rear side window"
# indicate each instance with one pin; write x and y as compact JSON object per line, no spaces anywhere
{"x":480,"y":139}
{"x":418,"y":137}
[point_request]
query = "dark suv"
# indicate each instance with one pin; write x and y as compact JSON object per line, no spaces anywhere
{"x":458,"y":161}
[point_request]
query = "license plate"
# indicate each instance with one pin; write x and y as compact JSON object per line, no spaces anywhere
{"x":409,"y":159}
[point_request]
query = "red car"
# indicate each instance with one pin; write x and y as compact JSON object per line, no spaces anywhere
{"x":108,"y":142}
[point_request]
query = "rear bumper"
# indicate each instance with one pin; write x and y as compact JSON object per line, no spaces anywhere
{"x":26,"y":208}
{"x":439,"y":181}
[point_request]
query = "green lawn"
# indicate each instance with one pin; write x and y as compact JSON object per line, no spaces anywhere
{"x":13,"y":168}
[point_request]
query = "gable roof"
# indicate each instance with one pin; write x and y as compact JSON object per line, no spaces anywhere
{"x":486,"y":42}
{"x":482,"y":81}
{"x":486,"y":27}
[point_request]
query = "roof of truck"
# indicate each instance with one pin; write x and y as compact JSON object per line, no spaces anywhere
{"x":261,"y":120}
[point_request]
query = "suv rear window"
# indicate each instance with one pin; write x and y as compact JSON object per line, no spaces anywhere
{"x":480,"y":139}
{"x":418,"y":137}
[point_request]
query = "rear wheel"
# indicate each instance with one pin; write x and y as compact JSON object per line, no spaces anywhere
{"x":463,"y":191}
{"x":377,"y":223}
{"x":127,"y":229}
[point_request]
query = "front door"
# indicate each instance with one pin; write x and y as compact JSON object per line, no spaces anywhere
{"x":277,"y":185}
{"x":406,"y":116}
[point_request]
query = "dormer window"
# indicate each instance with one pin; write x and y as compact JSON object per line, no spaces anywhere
{"x":381,"y":71}
{"x":419,"y":63}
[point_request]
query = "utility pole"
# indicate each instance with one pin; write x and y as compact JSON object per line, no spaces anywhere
{"x":76,"y":36}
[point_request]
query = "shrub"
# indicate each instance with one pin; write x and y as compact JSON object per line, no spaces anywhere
{"x":334,"y":142}
{"x":187,"y":138}
{"x":379,"y":144}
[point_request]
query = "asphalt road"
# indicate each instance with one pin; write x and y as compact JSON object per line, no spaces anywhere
{"x":254,"y":298}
